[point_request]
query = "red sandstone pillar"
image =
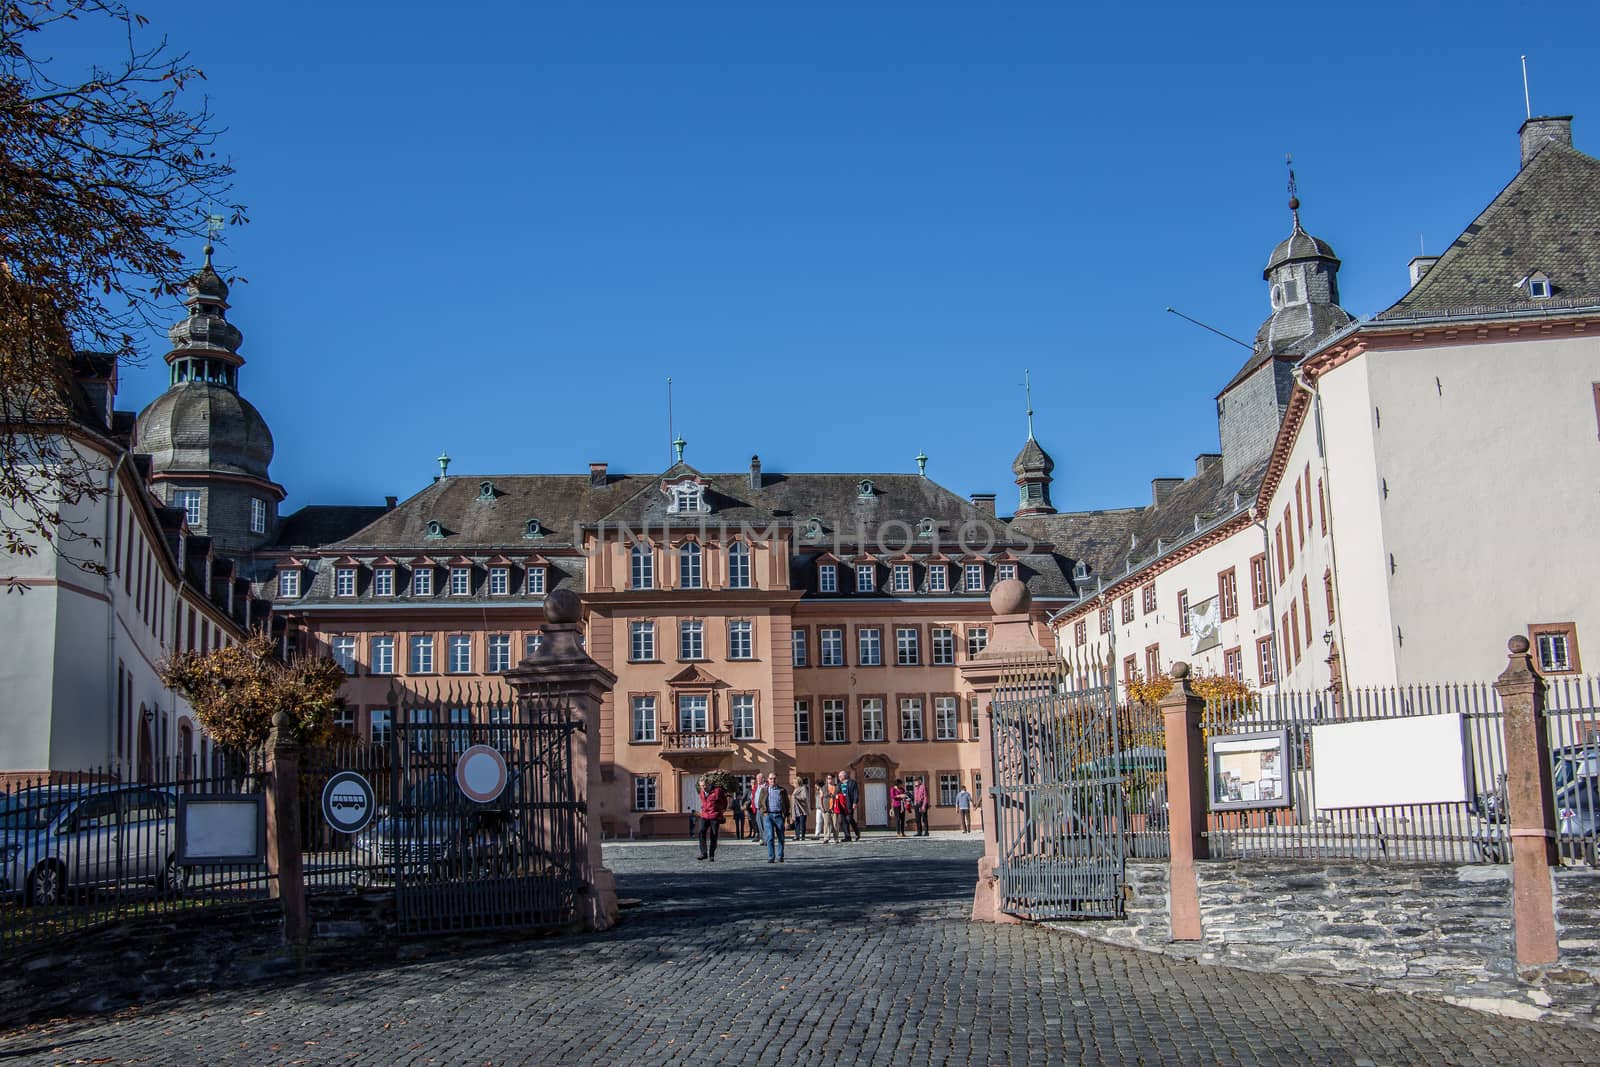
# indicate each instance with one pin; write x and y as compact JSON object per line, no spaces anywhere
{"x":1529,"y":805}
{"x":283,"y":830}
{"x":1186,"y":800}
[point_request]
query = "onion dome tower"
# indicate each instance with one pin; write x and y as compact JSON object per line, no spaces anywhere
{"x":209,"y":447}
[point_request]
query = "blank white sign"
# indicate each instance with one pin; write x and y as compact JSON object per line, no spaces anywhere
{"x":1417,"y":760}
{"x":220,"y":829}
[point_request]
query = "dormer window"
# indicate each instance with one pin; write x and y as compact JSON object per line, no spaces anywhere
{"x":289,"y":583}
{"x":499,"y":581}
{"x":926,"y":527}
{"x":460,"y":581}
{"x":686,"y":496}
{"x":1537,"y":285}
{"x":1005,"y":572}
{"x":383,"y":581}
{"x":536,"y":581}
{"x":864,"y":489}
{"x":485,"y":490}
{"x":866,"y":578}
{"x":422,"y":581}
{"x":344,"y":581}
{"x":813,"y":529}
{"x":435,"y":530}
{"x":532,"y":529}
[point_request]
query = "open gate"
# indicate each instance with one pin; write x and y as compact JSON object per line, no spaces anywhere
{"x":1058,"y":797}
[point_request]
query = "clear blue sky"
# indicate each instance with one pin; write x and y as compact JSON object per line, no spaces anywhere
{"x":843,"y":228}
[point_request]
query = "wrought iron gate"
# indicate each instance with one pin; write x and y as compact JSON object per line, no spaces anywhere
{"x":1058,"y":798}
{"x":511,"y":860}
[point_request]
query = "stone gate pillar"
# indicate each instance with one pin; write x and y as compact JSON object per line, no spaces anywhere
{"x":283,"y":829}
{"x":1530,"y":806}
{"x":1012,"y":648}
{"x":1187,"y":803}
{"x":562,"y":671}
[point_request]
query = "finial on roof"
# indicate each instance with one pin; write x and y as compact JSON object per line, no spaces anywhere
{"x":678,"y":445}
{"x":1027,"y":388}
{"x":444,"y":463}
{"x":1294,"y":198}
{"x":922,"y":463}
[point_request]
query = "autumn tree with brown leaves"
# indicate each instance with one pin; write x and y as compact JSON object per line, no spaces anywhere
{"x":108,"y":177}
{"x":237,"y":691}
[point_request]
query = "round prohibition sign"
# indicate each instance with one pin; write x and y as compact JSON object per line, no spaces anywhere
{"x":348,"y":802}
{"x":481,"y":773}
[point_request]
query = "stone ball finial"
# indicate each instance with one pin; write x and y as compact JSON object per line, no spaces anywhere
{"x":1180,"y":671}
{"x":1518,"y":645}
{"x":1010,"y":597}
{"x":562,"y":606}
{"x":282,"y":722}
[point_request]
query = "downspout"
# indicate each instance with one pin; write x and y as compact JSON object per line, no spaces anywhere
{"x":112,"y":723}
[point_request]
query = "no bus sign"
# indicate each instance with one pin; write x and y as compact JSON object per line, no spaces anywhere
{"x":348,"y":802}
{"x":481,"y":773}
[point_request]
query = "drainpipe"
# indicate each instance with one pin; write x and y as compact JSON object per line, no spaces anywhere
{"x":111,"y":607}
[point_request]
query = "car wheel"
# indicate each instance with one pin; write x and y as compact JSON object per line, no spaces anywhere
{"x":47,"y":885}
{"x":174,"y":879}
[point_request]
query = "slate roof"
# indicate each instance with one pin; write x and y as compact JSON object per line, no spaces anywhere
{"x":320,"y":524}
{"x":1546,"y":219}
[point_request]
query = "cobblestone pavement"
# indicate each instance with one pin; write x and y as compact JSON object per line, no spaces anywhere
{"x":853,"y":953}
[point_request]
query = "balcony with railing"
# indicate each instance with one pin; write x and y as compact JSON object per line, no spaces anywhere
{"x":697,"y":743}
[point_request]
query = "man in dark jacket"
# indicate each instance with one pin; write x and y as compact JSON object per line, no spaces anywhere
{"x":713,"y":802}
{"x":847,"y":786}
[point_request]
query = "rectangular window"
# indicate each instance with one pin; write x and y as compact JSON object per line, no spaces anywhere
{"x":1305,"y":598}
{"x":1327,"y":594}
{"x":910,"y":718}
{"x":1294,"y":629}
{"x":907,"y":646}
{"x":833,"y":723}
{"x":422,"y":581}
{"x":1555,"y":646}
{"x":499,"y":652}
{"x":422,"y":655}
{"x":1300,"y":514}
{"x":460,"y":654}
{"x":974,"y":715}
{"x":832,"y":643}
{"x":827,"y":578}
{"x":1264,"y":660}
{"x":1127,"y":608}
{"x":872,"y":728}
{"x":1148,"y":595}
{"x":1152,"y":661}
{"x":461,"y":736}
{"x":949,"y":786}
{"x":869,"y":646}
{"x":741,"y":639}
{"x":344,"y":581}
{"x":977,"y":640}
{"x":1233,"y":664}
{"x":383,"y":581}
{"x":1105,"y":619}
{"x":946,"y":719}
{"x":501,"y":739}
{"x":531,"y":643}
{"x":641,"y":641}
{"x":1228,"y":594}
{"x":694,"y":713}
{"x":691,"y":639}
{"x":644,"y":719}
{"x":1322,"y":509}
{"x":460,"y":581}
{"x":1277,"y":540}
{"x":344,"y":653}
{"x":380,"y":657}
{"x":943,"y":640}
{"x":902,"y":577}
{"x":189,"y":501}
{"x":642,"y":567}
{"x":289,"y":583}
{"x":499,"y":581}
{"x":938,"y":578}
{"x":1288,"y":535}
{"x":1258,"y":581}
{"x":644,"y":792}
{"x":972,"y":580}
{"x":802,"y":722}
{"x":797,"y":648}
{"x":743,"y":710}
{"x":536,"y":581}
{"x":378,"y":725}
{"x":258,"y":515}
{"x":738,"y":565}
{"x":1183,"y":613}
{"x":866,"y":577}
{"x":1080,"y":632}
{"x":344,"y":718}
{"x":1005,"y":572}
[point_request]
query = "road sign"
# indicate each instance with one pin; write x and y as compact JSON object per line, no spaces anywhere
{"x":481,"y":773}
{"x":348,"y":802}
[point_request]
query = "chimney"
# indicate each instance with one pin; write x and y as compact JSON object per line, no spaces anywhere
{"x":390,"y":502}
{"x":1420,"y":265}
{"x":1540,"y":131}
{"x":755,"y":472}
{"x":1161,"y":488}
{"x":1205,"y":461}
{"x":984,"y":502}
{"x":597,"y":476}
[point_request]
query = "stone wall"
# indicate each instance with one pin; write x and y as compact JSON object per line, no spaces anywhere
{"x":1442,"y":932}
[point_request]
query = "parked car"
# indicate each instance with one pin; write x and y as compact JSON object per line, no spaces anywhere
{"x":57,"y":839}
{"x":1578,"y":818}
{"x":1567,"y":764}
{"x":437,"y":832}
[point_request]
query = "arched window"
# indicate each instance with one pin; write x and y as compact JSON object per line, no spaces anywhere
{"x":642,"y":567}
{"x":689,"y":565}
{"x":738,"y":565}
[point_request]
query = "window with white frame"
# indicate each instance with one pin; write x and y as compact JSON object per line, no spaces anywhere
{"x":901,"y":578}
{"x":460,"y":654}
{"x":872,"y":728}
{"x":742,"y":710}
{"x":641,"y":641}
{"x":344,"y":581}
{"x":422,"y":654}
{"x":834,"y":731}
{"x":422,"y":581}
{"x":1555,"y":645}
{"x":344,"y":718}
{"x":869,"y":646}
{"x":938,"y":578}
{"x":974,"y":716}
{"x":460,"y":581}
{"x":644,"y":719}
{"x":189,"y":500}
{"x":536,"y":581}
{"x":383,"y":581}
{"x":344,"y":653}
{"x":460,"y":732}
{"x":689,"y":559}
{"x":499,"y":581}
{"x":946,"y":719}
{"x":378,"y":723}
{"x":949,"y":786}
{"x":258,"y":515}
{"x":943,"y":639}
{"x":907,"y":646}
{"x":691,"y":639}
{"x":866,"y":577}
{"x":738,"y":565}
{"x":289,"y":582}
{"x":499,"y":652}
{"x":977,"y":640}
{"x":827,"y":578}
{"x":973,"y":577}
{"x":641,"y":566}
{"x":1005,"y":571}
{"x":694,"y":713}
{"x":802,"y":722}
{"x":832,"y":645}
{"x":380,"y":655}
{"x":741,"y":639}
{"x":911,"y":718}
{"x":687,"y":496}
{"x":531,"y":643}
{"x":422,"y":739}
{"x":797,"y":648}
{"x":500,"y":716}
{"x":644,"y":792}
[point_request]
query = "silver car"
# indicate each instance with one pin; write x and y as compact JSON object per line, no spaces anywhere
{"x":57,"y":839}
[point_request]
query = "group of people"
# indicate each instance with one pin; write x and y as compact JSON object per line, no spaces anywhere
{"x":766,"y":810}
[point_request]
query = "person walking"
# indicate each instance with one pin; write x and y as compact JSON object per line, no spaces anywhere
{"x":964,"y":809}
{"x":919,"y":804}
{"x":897,"y":804}
{"x":713,"y":802}
{"x":741,"y":804}
{"x":800,"y":809}
{"x":820,"y":800}
{"x":773,"y":804}
{"x":757,"y":831}
{"x":852,"y":792}
{"x":841,"y":814}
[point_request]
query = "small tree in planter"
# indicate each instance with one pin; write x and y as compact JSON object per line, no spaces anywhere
{"x":236,"y":692}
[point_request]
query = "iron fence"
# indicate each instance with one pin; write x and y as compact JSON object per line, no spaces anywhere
{"x":332,"y":860}
{"x":85,"y":849}
{"x":1143,"y":764}
{"x":1572,"y":724}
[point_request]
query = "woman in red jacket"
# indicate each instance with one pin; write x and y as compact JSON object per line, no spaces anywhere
{"x":713,"y":802}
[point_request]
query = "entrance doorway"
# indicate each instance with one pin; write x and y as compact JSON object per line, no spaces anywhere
{"x":689,"y":786}
{"x":877,"y":804}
